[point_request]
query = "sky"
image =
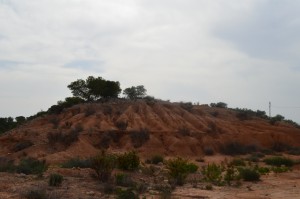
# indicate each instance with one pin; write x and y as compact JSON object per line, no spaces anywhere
{"x":244,"y":53}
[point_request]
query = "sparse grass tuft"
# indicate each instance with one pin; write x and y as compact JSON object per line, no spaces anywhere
{"x":22,"y":145}
{"x":138,"y":138}
{"x":55,"y":180}
{"x":77,"y":163}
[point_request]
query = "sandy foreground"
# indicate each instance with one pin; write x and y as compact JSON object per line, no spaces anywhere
{"x":78,"y":183}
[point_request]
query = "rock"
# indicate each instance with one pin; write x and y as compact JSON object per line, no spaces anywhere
{"x":90,"y":193}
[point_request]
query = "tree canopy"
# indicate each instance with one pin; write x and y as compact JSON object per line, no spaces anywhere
{"x":93,"y":88}
{"x":135,"y":92}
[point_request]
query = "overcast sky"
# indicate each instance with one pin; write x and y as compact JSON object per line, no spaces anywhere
{"x":245,"y":53}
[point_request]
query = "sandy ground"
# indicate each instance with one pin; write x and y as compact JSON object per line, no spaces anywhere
{"x":79,"y":184}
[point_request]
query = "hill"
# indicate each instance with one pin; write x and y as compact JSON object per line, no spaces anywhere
{"x":149,"y":127}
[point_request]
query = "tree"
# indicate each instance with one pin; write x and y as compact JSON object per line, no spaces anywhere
{"x":93,"y":88}
{"x":20,"y":119}
{"x":135,"y":92}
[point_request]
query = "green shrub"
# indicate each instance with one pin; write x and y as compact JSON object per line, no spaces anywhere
{"x":249,"y":174}
{"x":263,"y":170}
{"x":212,"y":173}
{"x":278,"y":161}
{"x":275,"y":119}
{"x":179,"y":169}
{"x":31,"y":166}
{"x":55,"y":180}
{"x":231,"y":174}
{"x":281,"y":169}
{"x":77,"y":163}
{"x":103,"y":164}
{"x":128,"y":161}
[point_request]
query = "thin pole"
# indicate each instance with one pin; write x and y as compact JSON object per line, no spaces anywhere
{"x":270,"y":109}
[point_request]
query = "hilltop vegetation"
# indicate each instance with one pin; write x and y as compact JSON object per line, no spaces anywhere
{"x":97,"y":89}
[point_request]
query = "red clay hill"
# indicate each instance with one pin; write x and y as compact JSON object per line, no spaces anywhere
{"x":148,"y":127}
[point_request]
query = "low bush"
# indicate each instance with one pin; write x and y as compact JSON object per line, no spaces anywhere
{"x":55,"y":121}
{"x":124,"y":180}
{"x":54,"y":137}
{"x":280,"y":146}
{"x":22,"y":145}
{"x":55,"y":180}
{"x":208,"y":187}
{"x":184,"y":131}
{"x":71,"y":137}
{"x":89,"y":110}
{"x":213,"y":173}
{"x":208,"y":151}
{"x":128,"y":161}
{"x":280,"y":169}
{"x":237,"y":162}
{"x":103,"y":164}
{"x":219,"y":105}
{"x":255,"y":157}
{"x":126,"y":194}
{"x":65,"y":138}
{"x":249,"y":174}
{"x":179,"y":169}
{"x":236,"y":148}
{"x":279,"y":161}
{"x":77,"y":163}
{"x":231,"y":174}
{"x":35,"y":193}
{"x":294,"y":151}
{"x":121,"y":125}
{"x":6,"y":165}
{"x":156,"y":159}
{"x":188,"y":106}
{"x":275,"y":119}
{"x":138,"y":138}
{"x":31,"y":166}
{"x":263,"y":170}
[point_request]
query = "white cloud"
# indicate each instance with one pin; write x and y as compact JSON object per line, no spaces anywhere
{"x":242,"y":52}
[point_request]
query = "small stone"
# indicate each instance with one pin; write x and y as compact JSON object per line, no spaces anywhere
{"x":90,"y":193}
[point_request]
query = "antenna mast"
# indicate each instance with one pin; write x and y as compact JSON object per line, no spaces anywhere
{"x":270,"y":109}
